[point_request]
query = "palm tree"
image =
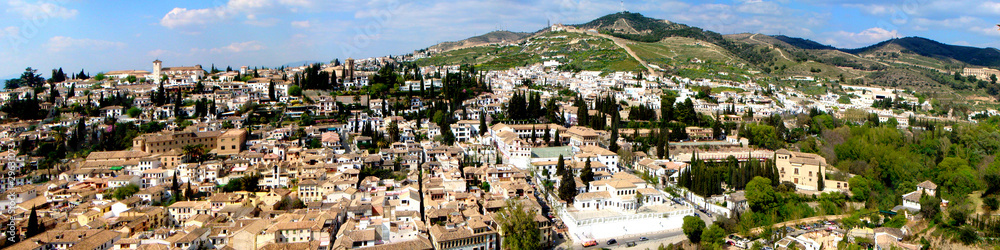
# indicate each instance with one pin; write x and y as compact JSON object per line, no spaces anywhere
{"x":59,"y":134}
{"x":196,"y":151}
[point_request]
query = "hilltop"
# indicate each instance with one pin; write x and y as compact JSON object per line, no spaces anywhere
{"x":484,"y":39}
{"x":583,"y":51}
{"x":636,"y":42}
{"x":987,"y":57}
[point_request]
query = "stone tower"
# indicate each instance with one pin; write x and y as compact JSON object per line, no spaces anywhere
{"x":350,"y":68}
{"x":157,"y":67}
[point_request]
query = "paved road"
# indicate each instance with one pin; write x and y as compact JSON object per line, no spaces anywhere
{"x":622,"y":241}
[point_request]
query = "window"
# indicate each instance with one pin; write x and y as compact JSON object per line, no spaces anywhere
{"x":796,"y":170}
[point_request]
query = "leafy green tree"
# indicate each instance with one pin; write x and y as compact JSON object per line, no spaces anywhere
{"x":124,"y":192}
{"x":134,"y":112}
{"x":294,"y":90}
{"x":714,"y":235}
{"x":958,"y":216}
{"x":760,"y":195}
{"x":519,"y":227}
{"x":930,"y":206}
{"x":968,"y":235}
{"x":859,"y":187}
{"x":693,"y":227}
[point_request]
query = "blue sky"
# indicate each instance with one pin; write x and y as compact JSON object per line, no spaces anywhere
{"x":118,"y":35}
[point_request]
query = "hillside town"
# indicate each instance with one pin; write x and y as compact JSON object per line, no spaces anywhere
{"x":379,"y":154}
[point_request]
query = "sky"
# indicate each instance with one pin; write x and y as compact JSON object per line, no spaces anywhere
{"x":120,"y":35}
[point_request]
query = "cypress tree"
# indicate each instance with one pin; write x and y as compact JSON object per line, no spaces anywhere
{"x":614,"y":132}
{"x":558,"y":140}
{"x":561,"y":166}
{"x":33,"y":226}
{"x":567,"y":188}
{"x":587,"y":174}
{"x":482,"y":124}
{"x":547,"y":137}
{"x":820,"y":185}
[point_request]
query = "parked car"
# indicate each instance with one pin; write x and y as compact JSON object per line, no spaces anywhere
{"x":590,"y":243}
{"x":630,"y":244}
{"x":643,"y":239}
{"x":736,"y":241}
{"x":612,"y":242}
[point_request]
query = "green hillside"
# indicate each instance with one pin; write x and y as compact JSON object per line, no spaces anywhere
{"x":581,"y":51}
{"x":913,"y":64}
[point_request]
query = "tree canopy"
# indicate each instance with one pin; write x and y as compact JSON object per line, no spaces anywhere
{"x":520,"y":231}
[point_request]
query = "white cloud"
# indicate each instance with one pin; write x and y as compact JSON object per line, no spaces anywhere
{"x":158,"y":53}
{"x":250,"y":9}
{"x":963,"y":21}
{"x":240,"y":47}
{"x":62,"y":43}
{"x":844,"y":39}
{"x":40,"y":9}
{"x":179,"y":17}
{"x":301,"y":24}
{"x":267,"y":22}
{"x":761,"y":8}
{"x":990,"y":30}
